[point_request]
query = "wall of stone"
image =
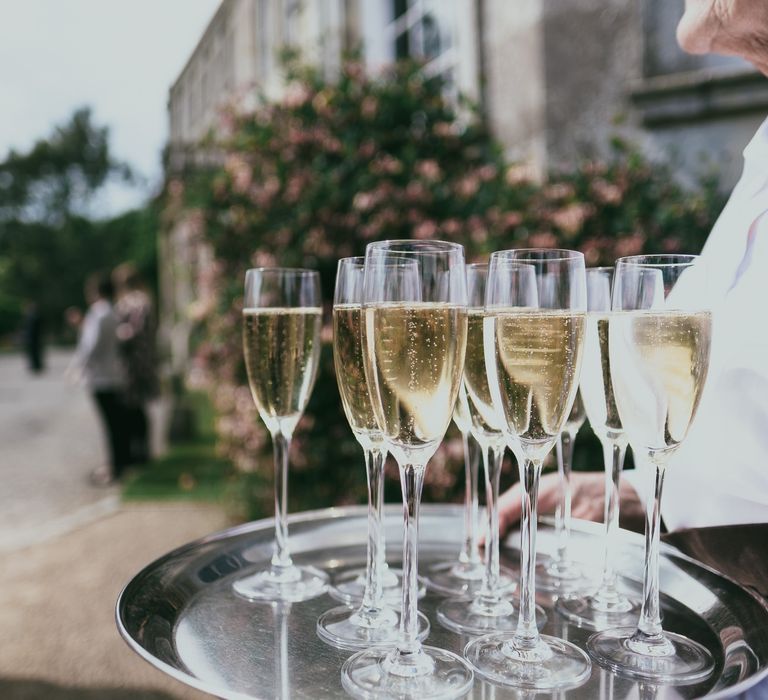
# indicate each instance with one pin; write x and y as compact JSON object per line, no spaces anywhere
{"x":515,"y":85}
{"x":592,"y":54}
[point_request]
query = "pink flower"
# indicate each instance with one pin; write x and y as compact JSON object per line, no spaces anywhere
{"x":559,"y":190}
{"x":367,"y":149}
{"x":240,"y":172}
{"x":294,"y":189}
{"x":468,"y":186}
{"x":386,"y":164}
{"x":630,"y":245}
{"x":428,"y":169}
{"x":606,"y":192}
{"x":296,"y":94}
{"x":444,"y":129}
{"x":591,"y":250}
{"x":487,"y":172}
{"x":542,"y":239}
{"x":426,"y":229}
{"x":512,"y":219}
{"x":451,"y":227}
{"x":518,"y":174}
{"x":571,"y":218}
{"x":670,"y":245}
{"x":363,"y":201}
{"x":263,"y":258}
{"x":415,"y":191}
{"x":369,"y":107}
{"x":479,"y":235}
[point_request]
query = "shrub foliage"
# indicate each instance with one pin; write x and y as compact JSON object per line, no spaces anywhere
{"x":334,"y":165}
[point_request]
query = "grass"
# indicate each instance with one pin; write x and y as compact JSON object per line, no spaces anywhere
{"x":190,"y":470}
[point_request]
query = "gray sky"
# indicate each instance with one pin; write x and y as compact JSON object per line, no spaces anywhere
{"x":118,"y":57}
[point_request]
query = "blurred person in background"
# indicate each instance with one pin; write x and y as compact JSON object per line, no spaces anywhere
{"x":32,"y":337}
{"x":137,"y":335}
{"x":102,"y":368}
{"x":719,"y":475}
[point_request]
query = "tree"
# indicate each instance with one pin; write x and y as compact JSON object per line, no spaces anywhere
{"x":49,"y":241}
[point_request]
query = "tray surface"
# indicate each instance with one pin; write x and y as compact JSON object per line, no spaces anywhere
{"x":181,"y":615}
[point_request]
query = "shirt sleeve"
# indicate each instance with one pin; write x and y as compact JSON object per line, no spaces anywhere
{"x":89,"y":335}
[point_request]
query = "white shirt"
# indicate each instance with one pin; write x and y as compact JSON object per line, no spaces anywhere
{"x":719,"y":476}
{"x":98,"y":352}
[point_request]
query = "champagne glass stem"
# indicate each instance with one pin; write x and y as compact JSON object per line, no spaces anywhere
{"x":281,"y":557}
{"x":649,"y":636}
{"x":527,"y":633}
{"x":492,"y":460}
{"x":563,"y":510}
{"x":613,"y":454}
{"x":381,"y":544}
{"x":373,"y":592}
{"x":411,"y":480}
{"x":470,"y":551}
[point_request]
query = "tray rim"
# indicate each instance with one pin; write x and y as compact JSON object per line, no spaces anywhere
{"x":338,"y":512}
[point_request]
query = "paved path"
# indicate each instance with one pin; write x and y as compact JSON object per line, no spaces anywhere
{"x":68,"y":547}
{"x":57,"y":601}
{"x":50,"y":440}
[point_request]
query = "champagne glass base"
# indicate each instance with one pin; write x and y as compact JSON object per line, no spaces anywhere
{"x":553,"y":664}
{"x":289,"y":584}
{"x":561,"y":577}
{"x":429,"y":673}
{"x":676,"y":660}
{"x":473,"y":617}
{"x":347,"y":628}
{"x":586,"y":612}
{"x":348,"y":587}
{"x":459,"y":580}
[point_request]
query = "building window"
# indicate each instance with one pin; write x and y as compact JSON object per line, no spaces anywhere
{"x":291,"y":21}
{"x":423,"y":29}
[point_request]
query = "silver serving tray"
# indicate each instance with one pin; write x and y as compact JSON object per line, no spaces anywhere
{"x":180,"y":614}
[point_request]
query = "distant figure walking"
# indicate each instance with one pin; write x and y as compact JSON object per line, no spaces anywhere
{"x":32,"y":333}
{"x":98,"y":356}
{"x":137,"y":335}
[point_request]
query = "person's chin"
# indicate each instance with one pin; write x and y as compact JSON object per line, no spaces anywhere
{"x":694,"y":34}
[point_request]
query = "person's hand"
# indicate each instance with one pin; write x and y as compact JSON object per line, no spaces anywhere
{"x":588,"y":496}
{"x":73,"y":316}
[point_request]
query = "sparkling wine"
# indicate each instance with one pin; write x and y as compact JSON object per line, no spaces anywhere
{"x":281,"y":347}
{"x":596,"y":385}
{"x":537,"y":356}
{"x":414,"y":362}
{"x":350,"y":370}
{"x":485,"y":419}
{"x":659,"y":362}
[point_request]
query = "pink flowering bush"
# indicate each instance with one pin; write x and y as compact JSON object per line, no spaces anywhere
{"x":332,"y":166}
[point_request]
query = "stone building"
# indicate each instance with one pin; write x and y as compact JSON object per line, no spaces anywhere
{"x":555,"y":78}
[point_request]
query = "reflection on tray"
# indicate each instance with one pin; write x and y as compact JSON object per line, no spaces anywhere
{"x":738,"y":551}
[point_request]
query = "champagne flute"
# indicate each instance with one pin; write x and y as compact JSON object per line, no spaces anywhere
{"x":488,"y":610}
{"x":607,"y":607}
{"x":282,"y":316}
{"x":533,"y":344}
{"x":462,"y":576}
{"x":659,"y":345}
{"x":415,"y":344}
{"x":561,"y":573}
{"x":373,"y":623}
